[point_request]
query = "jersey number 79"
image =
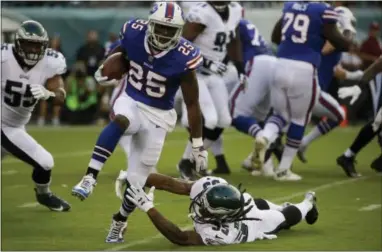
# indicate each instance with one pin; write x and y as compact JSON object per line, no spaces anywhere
{"x":296,"y":26}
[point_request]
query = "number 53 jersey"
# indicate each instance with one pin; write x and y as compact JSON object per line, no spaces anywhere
{"x":16,"y":97}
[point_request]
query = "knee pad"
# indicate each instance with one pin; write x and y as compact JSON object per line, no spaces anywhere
{"x":45,"y":160}
{"x":224,"y":122}
{"x":292,"y":215}
{"x":261,"y":204}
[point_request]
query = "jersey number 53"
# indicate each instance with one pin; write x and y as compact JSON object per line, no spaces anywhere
{"x":296,"y":26}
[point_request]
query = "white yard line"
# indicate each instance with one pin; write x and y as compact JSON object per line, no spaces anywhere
{"x":29,"y":205}
{"x":276,"y":200}
{"x":9,"y":172}
{"x":370,"y":207}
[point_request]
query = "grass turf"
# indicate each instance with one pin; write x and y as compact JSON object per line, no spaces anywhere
{"x":341,"y":226}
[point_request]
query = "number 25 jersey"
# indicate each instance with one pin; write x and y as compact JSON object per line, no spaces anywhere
{"x":154,"y":78}
{"x":16,"y":96}
{"x":302,"y":28}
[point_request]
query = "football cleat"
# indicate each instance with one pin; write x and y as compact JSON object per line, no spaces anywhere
{"x":287,"y":175}
{"x":117,"y":229}
{"x":222,"y":166}
{"x":312,"y":216}
{"x":186,"y":170}
{"x":377,"y":164}
{"x":83,"y":189}
{"x":52,"y":202}
{"x":258,"y":155}
{"x":301,"y":154}
{"x":347,"y":164}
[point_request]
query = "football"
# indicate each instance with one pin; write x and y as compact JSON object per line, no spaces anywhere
{"x":115,"y":66}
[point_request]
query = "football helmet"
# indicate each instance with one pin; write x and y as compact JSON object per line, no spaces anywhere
{"x":217,"y":204}
{"x":165,"y":25}
{"x":31,"y":40}
{"x":220,"y":6}
{"x":346,"y":22}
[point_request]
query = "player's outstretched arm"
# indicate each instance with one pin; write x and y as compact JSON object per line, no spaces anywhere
{"x":372,"y":71}
{"x":172,"y":232}
{"x":276,"y":33}
{"x":169,"y":184}
{"x":191,"y":30}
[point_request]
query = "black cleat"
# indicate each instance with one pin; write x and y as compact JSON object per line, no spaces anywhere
{"x":187,"y":170}
{"x":52,"y":202}
{"x":312,"y":216}
{"x":222,"y":166}
{"x":347,"y":164}
{"x":377,"y":164}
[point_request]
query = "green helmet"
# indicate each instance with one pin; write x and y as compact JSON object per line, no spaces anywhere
{"x":218,"y":204}
{"x":31,"y":40}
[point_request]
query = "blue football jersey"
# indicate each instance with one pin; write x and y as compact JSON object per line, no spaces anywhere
{"x":326,"y":69}
{"x":252,"y":42}
{"x":302,"y":25}
{"x":155,"y":78}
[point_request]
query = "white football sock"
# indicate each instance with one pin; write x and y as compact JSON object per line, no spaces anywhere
{"x":348,"y":153}
{"x":287,"y":158}
{"x":313,"y":135}
{"x":217,"y":147}
{"x":187,"y":151}
{"x":305,"y":206}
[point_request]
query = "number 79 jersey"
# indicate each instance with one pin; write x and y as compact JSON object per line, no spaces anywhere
{"x":301,"y":33}
{"x":16,"y":97}
{"x":154,"y":78}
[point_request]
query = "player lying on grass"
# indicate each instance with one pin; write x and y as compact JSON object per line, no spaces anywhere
{"x":221,"y":213}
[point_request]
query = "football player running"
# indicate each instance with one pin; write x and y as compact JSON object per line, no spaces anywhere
{"x":329,"y":67}
{"x":370,"y":130}
{"x":301,"y":34}
{"x":221,"y":213}
{"x":30,"y":72}
{"x":160,"y":61}
{"x":213,"y":26}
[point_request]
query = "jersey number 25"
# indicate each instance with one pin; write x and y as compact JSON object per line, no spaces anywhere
{"x":153,"y":81}
{"x":299,"y":23}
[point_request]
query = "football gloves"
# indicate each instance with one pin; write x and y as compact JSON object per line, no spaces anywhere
{"x":354,"y":92}
{"x":103,"y":80}
{"x":138,"y":196}
{"x":199,"y":155}
{"x":40,"y":92}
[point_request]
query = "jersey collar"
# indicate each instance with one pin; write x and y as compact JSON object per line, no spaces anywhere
{"x":149,"y":51}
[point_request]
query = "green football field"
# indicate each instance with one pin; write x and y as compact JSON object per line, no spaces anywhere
{"x":350,"y":209}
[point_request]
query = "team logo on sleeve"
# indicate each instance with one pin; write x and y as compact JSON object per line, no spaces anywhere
{"x":154,"y":9}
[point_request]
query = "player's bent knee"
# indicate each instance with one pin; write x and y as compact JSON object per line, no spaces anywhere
{"x":224,"y":122}
{"x":211,"y":121}
{"x":122,"y":121}
{"x":46,"y":160}
{"x":292,"y":215}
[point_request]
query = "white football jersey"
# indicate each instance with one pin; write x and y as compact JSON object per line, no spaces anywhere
{"x":230,"y":233}
{"x":218,"y":33}
{"x":16,"y":96}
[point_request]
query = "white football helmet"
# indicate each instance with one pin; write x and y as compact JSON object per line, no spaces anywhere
{"x":346,"y":22}
{"x":165,"y":25}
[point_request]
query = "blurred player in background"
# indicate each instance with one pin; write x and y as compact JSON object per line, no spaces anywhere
{"x":213,"y":26}
{"x":221,"y":213}
{"x":301,"y":34}
{"x":371,"y":129}
{"x":27,"y":67}
{"x":160,"y":61}
{"x":330,"y":67}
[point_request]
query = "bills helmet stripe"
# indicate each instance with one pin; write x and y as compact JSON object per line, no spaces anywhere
{"x":169,"y":10}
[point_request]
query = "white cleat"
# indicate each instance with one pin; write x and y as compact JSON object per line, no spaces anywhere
{"x":247,"y":163}
{"x":83,"y":189}
{"x":268,"y":168}
{"x":117,"y":229}
{"x":287,"y":175}
{"x":258,"y":155}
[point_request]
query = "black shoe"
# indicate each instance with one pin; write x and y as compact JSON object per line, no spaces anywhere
{"x":222,"y":166}
{"x":347,"y":164}
{"x":377,"y":164}
{"x":187,"y":170}
{"x":312,"y":216}
{"x":52,"y":202}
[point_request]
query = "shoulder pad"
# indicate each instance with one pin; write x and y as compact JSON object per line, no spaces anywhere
{"x":199,"y":13}
{"x":6,"y":51}
{"x":55,"y":63}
